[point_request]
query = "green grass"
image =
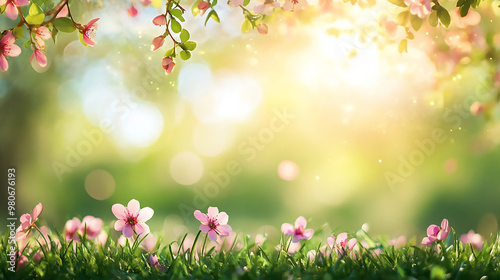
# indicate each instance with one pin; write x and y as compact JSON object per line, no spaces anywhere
{"x":90,"y":260}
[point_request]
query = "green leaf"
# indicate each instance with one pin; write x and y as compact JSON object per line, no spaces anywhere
{"x":444,"y":16}
{"x":433,"y":19}
{"x":54,"y":34}
{"x":178,"y":14}
{"x":2,"y":9}
{"x":464,"y":10}
{"x":215,"y":16}
{"x":170,"y":53}
{"x":175,"y":25}
{"x":64,"y":24}
{"x":403,"y":18}
{"x":246,"y":2}
{"x":35,"y":15}
{"x":18,"y":32}
{"x":400,"y":3}
{"x":189,"y":45}
{"x":80,"y":36}
{"x":403,"y":46}
{"x":409,"y":35}
{"x":416,"y":22}
{"x":246,"y":25}
{"x":185,"y":55}
{"x":184,"y":35}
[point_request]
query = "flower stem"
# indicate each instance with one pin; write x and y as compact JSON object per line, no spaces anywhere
{"x":194,"y":246}
{"x":204,"y":243}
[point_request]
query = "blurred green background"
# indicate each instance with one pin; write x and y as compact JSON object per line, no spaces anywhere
{"x":310,"y":124}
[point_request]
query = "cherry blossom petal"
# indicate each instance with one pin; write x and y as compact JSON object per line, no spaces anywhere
{"x":21,"y":2}
{"x":12,"y":50}
{"x":287,"y":229}
{"x":442,"y":235}
{"x":4,"y":65}
{"x":119,"y":211}
{"x":341,"y":238}
{"x":37,"y":210}
{"x":160,"y":20}
{"x":212,"y":212}
{"x":8,"y":39}
{"x":145,"y":214}
{"x":331,"y":241}
{"x":204,"y":228}
{"x":223,"y":218}
{"x":308,"y":233}
{"x":301,"y":222}
{"x":224,"y":230}
{"x":352,"y":242}
{"x":92,"y":23}
{"x":141,"y":229}
{"x":212,"y":235}
{"x":445,"y":225}
{"x":432,"y":230}
{"x":119,"y":225}
{"x":63,"y":12}
{"x":127,"y":231}
{"x":11,"y":11}
{"x":201,"y":217}
{"x":40,"y":58}
{"x":134,"y":207}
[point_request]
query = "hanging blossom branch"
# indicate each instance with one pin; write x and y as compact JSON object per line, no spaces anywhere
{"x":41,"y":26}
{"x":60,"y":19}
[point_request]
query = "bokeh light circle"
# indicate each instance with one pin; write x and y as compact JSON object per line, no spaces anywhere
{"x":288,"y":170}
{"x":186,"y":168}
{"x":100,"y":184}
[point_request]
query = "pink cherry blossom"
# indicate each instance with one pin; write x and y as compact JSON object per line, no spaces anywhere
{"x":262,"y":28}
{"x":160,"y":20}
{"x":236,"y":3}
{"x":11,"y":7}
{"x":71,"y":228}
{"x":213,"y":223}
{"x":157,"y":42}
{"x":203,"y":7}
{"x":39,"y":57}
{"x":299,"y":232}
{"x":63,"y":12}
{"x":41,"y":33}
{"x":311,"y":255}
{"x":472,"y":238}
{"x":168,"y":64}
{"x":102,"y":238}
{"x":7,"y":48}
{"x":294,"y":5}
{"x":398,"y":242}
{"x":89,"y":32}
{"x":435,"y":233}
{"x":132,"y":11}
{"x":421,"y":8}
{"x":28,"y":222}
{"x":266,"y":8}
{"x":341,"y":244}
{"x":149,"y":243}
{"x":131,"y":219}
{"x":90,"y":226}
{"x":472,"y":18}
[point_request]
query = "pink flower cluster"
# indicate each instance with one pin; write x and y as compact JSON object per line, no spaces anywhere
{"x":434,"y":233}
{"x":89,"y":227}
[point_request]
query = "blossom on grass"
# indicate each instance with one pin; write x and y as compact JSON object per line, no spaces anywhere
{"x":213,"y":223}
{"x":341,"y":244}
{"x":89,"y":32}
{"x":472,"y":238}
{"x":435,"y":233}
{"x":71,"y":228}
{"x":298,"y":231}
{"x":131,"y":219}
{"x":8,"y":48}
{"x":28,"y":222}
{"x":11,"y":7}
{"x":168,"y":65}
{"x":421,"y":8}
{"x":153,"y":261}
{"x":398,"y":242}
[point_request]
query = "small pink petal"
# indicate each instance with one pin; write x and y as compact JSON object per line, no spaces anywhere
{"x":204,"y":228}
{"x":442,"y":235}
{"x":352,"y":242}
{"x":432,"y":230}
{"x":12,"y":50}
{"x":296,"y":238}
{"x":133,"y":207}
{"x":287,"y":229}
{"x":119,"y":225}
{"x":145,"y":214}
{"x":223,"y":218}
{"x":11,"y":11}
{"x":341,"y":238}
{"x":21,"y":2}
{"x":160,"y":20}
{"x":224,"y":230}
{"x":141,"y":229}
{"x":301,"y":222}
{"x":36,"y":211}
{"x":63,"y":12}
{"x":426,"y":241}
{"x":212,"y":235}
{"x":445,"y":225}
{"x":308,"y":233}
{"x":4,"y":65}
{"x":331,"y":241}
{"x":200,"y":216}
{"x":128,"y":231}
{"x":119,"y":211}
{"x":212,"y":212}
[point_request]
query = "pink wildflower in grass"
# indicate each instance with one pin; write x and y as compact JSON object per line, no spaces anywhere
{"x":11,"y":7}
{"x":421,"y":8}
{"x":213,"y":223}
{"x":28,"y":222}
{"x":398,"y":242}
{"x":71,"y":228}
{"x":89,"y":32}
{"x":160,"y":20}
{"x":298,"y":231}
{"x":341,"y":244}
{"x":131,"y":219}
{"x":102,"y":238}
{"x":153,"y":261}
{"x":435,"y":233}
{"x":472,"y":238}
{"x":311,"y":255}
{"x":8,"y":49}
{"x":203,"y":7}
{"x":90,"y":226}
